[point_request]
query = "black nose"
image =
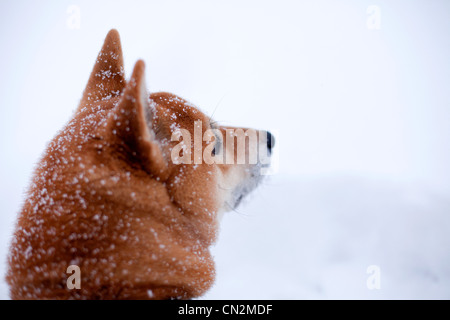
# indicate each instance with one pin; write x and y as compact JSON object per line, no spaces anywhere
{"x":270,"y":141}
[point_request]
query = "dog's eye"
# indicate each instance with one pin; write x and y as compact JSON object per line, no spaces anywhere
{"x":217,"y":139}
{"x":216,"y":149}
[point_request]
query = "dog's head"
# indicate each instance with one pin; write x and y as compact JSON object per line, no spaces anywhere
{"x":204,"y":166}
{"x":131,"y":191}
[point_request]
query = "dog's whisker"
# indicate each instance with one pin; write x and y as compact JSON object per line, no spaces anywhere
{"x":217,"y":106}
{"x":234,"y":209}
{"x":220,"y":187}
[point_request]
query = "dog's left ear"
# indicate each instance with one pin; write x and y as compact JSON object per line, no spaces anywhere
{"x":129,"y":126}
{"x":107,"y":79}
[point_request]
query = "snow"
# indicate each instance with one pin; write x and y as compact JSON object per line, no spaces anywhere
{"x":315,"y":238}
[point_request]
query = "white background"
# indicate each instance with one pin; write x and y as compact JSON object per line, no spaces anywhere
{"x":362,"y":116}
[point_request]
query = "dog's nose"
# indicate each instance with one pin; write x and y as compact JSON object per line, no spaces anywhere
{"x":270,"y":141}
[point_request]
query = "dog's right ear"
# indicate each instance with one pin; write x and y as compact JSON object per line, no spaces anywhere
{"x":129,"y":126}
{"x":107,"y":79}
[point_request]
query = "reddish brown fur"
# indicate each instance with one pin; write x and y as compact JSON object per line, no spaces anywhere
{"x":106,"y":197}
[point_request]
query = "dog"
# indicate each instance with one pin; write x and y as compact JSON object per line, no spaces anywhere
{"x":116,"y":208}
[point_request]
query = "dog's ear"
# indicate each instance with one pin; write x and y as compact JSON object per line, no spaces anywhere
{"x":107,"y":78}
{"x":129,"y":126}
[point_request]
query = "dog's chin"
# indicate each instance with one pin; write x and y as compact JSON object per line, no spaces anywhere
{"x":238,"y":201}
{"x":242,"y":191}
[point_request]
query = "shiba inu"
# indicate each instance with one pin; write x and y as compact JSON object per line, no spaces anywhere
{"x":111,"y":196}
